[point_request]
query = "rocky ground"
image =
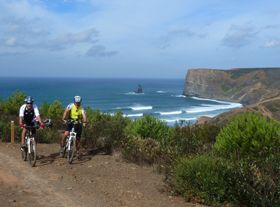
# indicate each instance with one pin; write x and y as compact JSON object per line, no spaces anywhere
{"x":96,"y":180}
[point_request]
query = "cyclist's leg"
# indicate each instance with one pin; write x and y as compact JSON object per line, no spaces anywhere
{"x":63,"y":138}
{"x":78,"y":140}
{"x":23,"y":133}
{"x":68,"y":128}
{"x":78,"y":144}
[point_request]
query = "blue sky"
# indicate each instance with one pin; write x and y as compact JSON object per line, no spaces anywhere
{"x":129,"y":38}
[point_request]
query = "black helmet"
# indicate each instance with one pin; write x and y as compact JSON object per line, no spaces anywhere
{"x":29,"y":100}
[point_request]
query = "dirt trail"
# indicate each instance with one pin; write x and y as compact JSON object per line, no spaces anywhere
{"x":95,"y":180}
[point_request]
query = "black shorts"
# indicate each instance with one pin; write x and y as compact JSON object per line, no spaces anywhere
{"x":78,"y":128}
{"x":32,"y":123}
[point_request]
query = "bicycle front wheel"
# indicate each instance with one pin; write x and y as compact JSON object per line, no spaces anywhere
{"x":24,"y":154}
{"x":71,"y":151}
{"x":32,"y":155}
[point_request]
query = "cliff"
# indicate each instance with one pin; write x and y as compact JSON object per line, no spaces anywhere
{"x":246,"y":86}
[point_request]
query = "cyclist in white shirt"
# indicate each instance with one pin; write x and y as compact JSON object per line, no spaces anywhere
{"x":28,"y":115}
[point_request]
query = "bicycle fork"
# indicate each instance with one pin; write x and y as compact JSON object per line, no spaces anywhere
{"x":28,"y":142}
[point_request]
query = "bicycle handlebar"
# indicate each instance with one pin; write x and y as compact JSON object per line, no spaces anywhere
{"x":73,"y":121}
{"x":32,"y":127}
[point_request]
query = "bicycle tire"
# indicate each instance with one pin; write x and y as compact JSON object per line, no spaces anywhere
{"x":71,"y":152}
{"x":32,"y":156}
{"x":24,"y":154}
{"x":62,"y":154}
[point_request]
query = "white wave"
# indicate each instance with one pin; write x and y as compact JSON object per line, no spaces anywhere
{"x":161,"y":92}
{"x":139,"y":108}
{"x":133,"y":93}
{"x":133,"y":115}
{"x":122,"y":108}
{"x":178,"y":119}
{"x":179,"y":96}
{"x":210,"y":115}
{"x":210,"y":107}
{"x":170,"y":113}
{"x":213,"y":100}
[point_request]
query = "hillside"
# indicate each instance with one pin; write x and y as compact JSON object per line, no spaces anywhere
{"x":95,"y":180}
{"x":257,"y":89}
{"x":246,"y":86}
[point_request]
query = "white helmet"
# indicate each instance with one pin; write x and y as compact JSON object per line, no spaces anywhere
{"x":77,"y":99}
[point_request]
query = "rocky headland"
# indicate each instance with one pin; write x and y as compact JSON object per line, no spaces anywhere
{"x":258,"y":89}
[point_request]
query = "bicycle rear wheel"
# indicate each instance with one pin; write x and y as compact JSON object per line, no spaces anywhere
{"x":71,"y":152}
{"x":32,"y":156}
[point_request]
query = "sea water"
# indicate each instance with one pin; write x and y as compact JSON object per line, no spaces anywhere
{"x":162,"y":98}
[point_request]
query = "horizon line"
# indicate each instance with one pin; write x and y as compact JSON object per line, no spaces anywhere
{"x":84,"y":77}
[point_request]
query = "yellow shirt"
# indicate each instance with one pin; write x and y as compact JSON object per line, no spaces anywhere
{"x":76,"y":113}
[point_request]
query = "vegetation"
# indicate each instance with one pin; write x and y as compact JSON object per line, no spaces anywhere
{"x":249,"y":136}
{"x":238,"y":164}
{"x":242,"y":168}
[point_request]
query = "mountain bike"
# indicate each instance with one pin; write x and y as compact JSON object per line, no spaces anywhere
{"x":30,"y":151}
{"x":70,"y":146}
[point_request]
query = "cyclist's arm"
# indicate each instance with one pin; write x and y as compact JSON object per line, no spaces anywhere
{"x":37,"y":114}
{"x":20,"y":120}
{"x":38,"y":118}
{"x":21,"y":114}
{"x":65,"y":114}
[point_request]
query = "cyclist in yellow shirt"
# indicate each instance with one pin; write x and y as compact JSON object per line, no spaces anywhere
{"x":75,"y":112}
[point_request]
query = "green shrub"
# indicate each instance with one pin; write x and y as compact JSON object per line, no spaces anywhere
{"x":104,"y":129}
{"x":194,"y":139}
{"x":249,"y":135}
{"x":13,"y":103}
{"x":251,"y":143}
{"x":251,"y":185}
{"x":5,"y":132}
{"x":48,"y":136}
{"x":141,"y":150}
{"x":202,"y":178}
{"x":44,"y":108}
{"x":150,"y":127}
{"x":55,"y":110}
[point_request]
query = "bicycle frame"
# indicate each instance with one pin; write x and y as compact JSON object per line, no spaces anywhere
{"x":70,"y":146}
{"x":30,"y":142}
{"x":71,"y":138}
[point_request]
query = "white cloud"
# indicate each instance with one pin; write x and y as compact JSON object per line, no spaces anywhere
{"x":11,"y":41}
{"x":272,"y":44}
{"x":135,"y":32}
{"x":100,"y":51}
{"x":240,"y":36}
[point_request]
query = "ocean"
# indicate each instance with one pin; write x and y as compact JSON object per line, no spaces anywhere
{"x":161,"y":98}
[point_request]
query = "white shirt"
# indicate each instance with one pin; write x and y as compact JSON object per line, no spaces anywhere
{"x":22,"y":108}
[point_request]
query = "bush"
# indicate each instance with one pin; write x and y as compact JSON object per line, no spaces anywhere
{"x":150,"y":127}
{"x":107,"y":129}
{"x":44,"y":108}
{"x":250,"y":185}
{"x":48,"y":136}
{"x":194,"y":139}
{"x":141,"y":150}
{"x":13,"y":103}
{"x":202,"y":178}
{"x":249,"y":135}
{"x":55,"y":110}
{"x":5,"y":132}
{"x":251,"y":143}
